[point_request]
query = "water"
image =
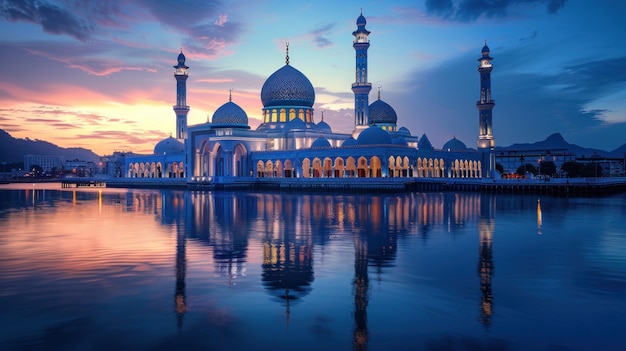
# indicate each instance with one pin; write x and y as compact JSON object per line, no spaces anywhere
{"x":102,"y":269}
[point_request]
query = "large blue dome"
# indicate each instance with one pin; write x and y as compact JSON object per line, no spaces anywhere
{"x":382,"y":113}
{"x":230,"y":114}
{"x":287,"y":87}
{"x":373,"y":136}
{"x":169,"y":146}
{"x":454,"y":144}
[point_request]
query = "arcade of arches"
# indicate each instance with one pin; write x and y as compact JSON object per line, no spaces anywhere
{"x":372,"y":167}
{"x":155,"y":170}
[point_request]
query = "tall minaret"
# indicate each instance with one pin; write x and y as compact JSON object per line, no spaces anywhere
{"x":485,"y":105}
{"x":181,"y":109}
{"x":361,"y":87}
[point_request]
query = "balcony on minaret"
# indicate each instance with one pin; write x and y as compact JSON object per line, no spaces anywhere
{"x":362,"y":84}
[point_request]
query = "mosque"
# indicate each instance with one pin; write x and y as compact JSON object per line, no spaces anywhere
{"x":290,"y":144}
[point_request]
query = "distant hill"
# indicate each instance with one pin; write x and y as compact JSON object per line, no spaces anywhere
{"x":556,"y":141}
{"x":13,"y":149}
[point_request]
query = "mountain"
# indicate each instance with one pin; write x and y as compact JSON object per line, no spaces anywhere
{"x":557,"y":142}
{"x":13,"y":149}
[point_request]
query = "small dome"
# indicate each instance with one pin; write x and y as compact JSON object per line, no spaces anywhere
{"x":399,"y":140}
{"x":381,"y":113}
{"x":323,"y":127}
{"x":287,"y":87}
{"x":230,"y":114}
{"x":320,"y":142}
{"x":295,"y":124}
{"x":373,"y":136}
{"x":454,"y":144}
{"x":485,"y":49}
{"x":181,"y":58}
{"x":350,"y":142}
{"x":424,"y":144}
{"x":169,"y":146}
{"x":404,"y":131}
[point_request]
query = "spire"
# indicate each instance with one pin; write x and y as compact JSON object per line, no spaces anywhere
{"x":379,"y":92}
{"x":287,"y":56}
{"x":230,"y":95}
{"x":323,"y":115}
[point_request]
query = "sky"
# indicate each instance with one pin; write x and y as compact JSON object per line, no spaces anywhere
{"x":99,"y":75}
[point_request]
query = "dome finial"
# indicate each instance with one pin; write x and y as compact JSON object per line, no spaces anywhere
{"x":379,"y":92}
{"x":287,"y":56}
{"x":323,"y":115}
{"x":230,"y":95}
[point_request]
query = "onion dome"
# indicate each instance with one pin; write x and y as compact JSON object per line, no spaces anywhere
{"x":181,"y":60}
{"x":404,"y":131}
{"x":287,"y":87}
{"x":424,"y":144}
{"x":360,"y":23}
{"x":382,"y":113}
{"x":320,"y":142}
{"x":230,"y":115}
{"x":350,"y":142}
{"x":485,"y":49}
{"x":485,"y":53}
{"x":323,"y":127}
{"x":169,"y":146}
{"x":454,"y":144}
{"x":373,"y":136}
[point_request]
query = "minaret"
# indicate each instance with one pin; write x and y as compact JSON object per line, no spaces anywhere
{"x":485,"y":105}
{"x":181,"y":109}
{"x":361,"y":87}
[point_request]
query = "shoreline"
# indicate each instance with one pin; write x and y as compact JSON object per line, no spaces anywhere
{"x":554,"y":187}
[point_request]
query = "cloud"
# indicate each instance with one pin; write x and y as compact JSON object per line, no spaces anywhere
{"x":52,"y":18}
{"x":320,"y":35}
{"x":471,"y":10}
{"x":209,"y":31}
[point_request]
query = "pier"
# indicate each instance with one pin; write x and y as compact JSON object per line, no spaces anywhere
{"x":78,"y":183}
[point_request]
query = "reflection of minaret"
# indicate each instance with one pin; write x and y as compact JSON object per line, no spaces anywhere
{"x":181,"y":269}
{"x":361,"y":286}
{"x":485,"y":256}
{"x":539,"y":217}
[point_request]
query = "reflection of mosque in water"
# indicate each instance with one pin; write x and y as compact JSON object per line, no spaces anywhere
{"x":288,"y":226}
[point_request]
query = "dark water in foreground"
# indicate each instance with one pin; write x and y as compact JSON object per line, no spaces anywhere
{"x":117,"y":269}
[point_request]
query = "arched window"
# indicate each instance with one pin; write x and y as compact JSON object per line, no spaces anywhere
{"x":260,"y":167}
{"x":339,"y":169}
{"x":283,"y":115}
{"x":362,"y":170}
{"x":375,"y":167}
{"x":306,"y":168}
{"x":274,"y":116}
{"x":328,"y":167}
{"x":351,"y":167}
{"x":292,"y":114}
{"x":317,"y":168}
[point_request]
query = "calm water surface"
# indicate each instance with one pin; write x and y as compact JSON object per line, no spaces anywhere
{"x":119,"y":269}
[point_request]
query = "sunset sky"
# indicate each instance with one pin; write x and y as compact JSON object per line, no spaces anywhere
{"x":98,"y":74}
